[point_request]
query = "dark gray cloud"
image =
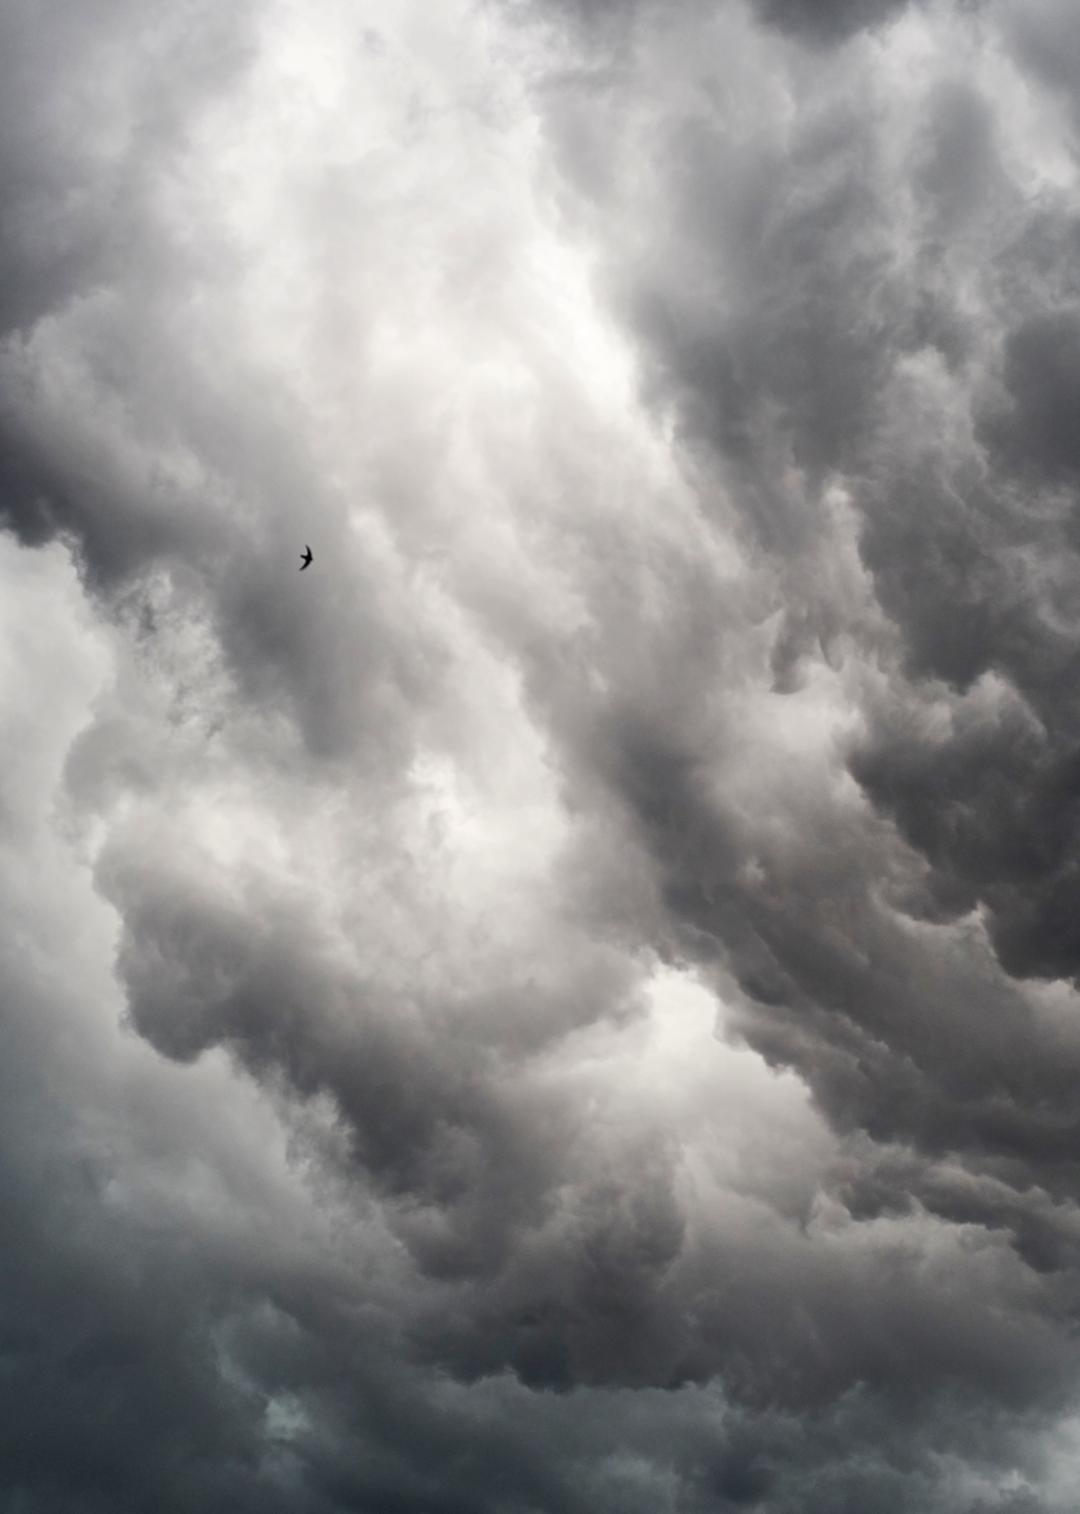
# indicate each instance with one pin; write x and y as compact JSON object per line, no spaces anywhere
{"x":570,"y":1005}
{"x":817,"y":22}
{"x":88,"y":124}
{"x":874,"y":303}
{"x":847,"y":242}
{"x":830,"y":22}
{"x":1045,"y":43}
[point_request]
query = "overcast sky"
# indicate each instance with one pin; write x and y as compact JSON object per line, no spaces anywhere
{"x":568,"y":1006}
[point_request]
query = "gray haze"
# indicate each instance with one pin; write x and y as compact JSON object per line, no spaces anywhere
{"x":570,"y":1006}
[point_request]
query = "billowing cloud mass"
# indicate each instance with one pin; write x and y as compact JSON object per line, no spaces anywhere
{"x":571,"y":1004}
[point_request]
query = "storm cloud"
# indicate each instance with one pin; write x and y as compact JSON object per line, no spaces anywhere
{"x":572,"y":1003}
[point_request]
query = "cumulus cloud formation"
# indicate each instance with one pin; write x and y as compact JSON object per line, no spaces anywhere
{"x":571,"y":1003}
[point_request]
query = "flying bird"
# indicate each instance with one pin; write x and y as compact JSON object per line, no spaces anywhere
{"x":305,"y":561}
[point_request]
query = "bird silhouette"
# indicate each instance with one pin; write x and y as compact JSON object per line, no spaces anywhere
{"x":306,"y":559}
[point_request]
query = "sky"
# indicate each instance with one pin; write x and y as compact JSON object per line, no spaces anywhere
{"x":569,"y":1005}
